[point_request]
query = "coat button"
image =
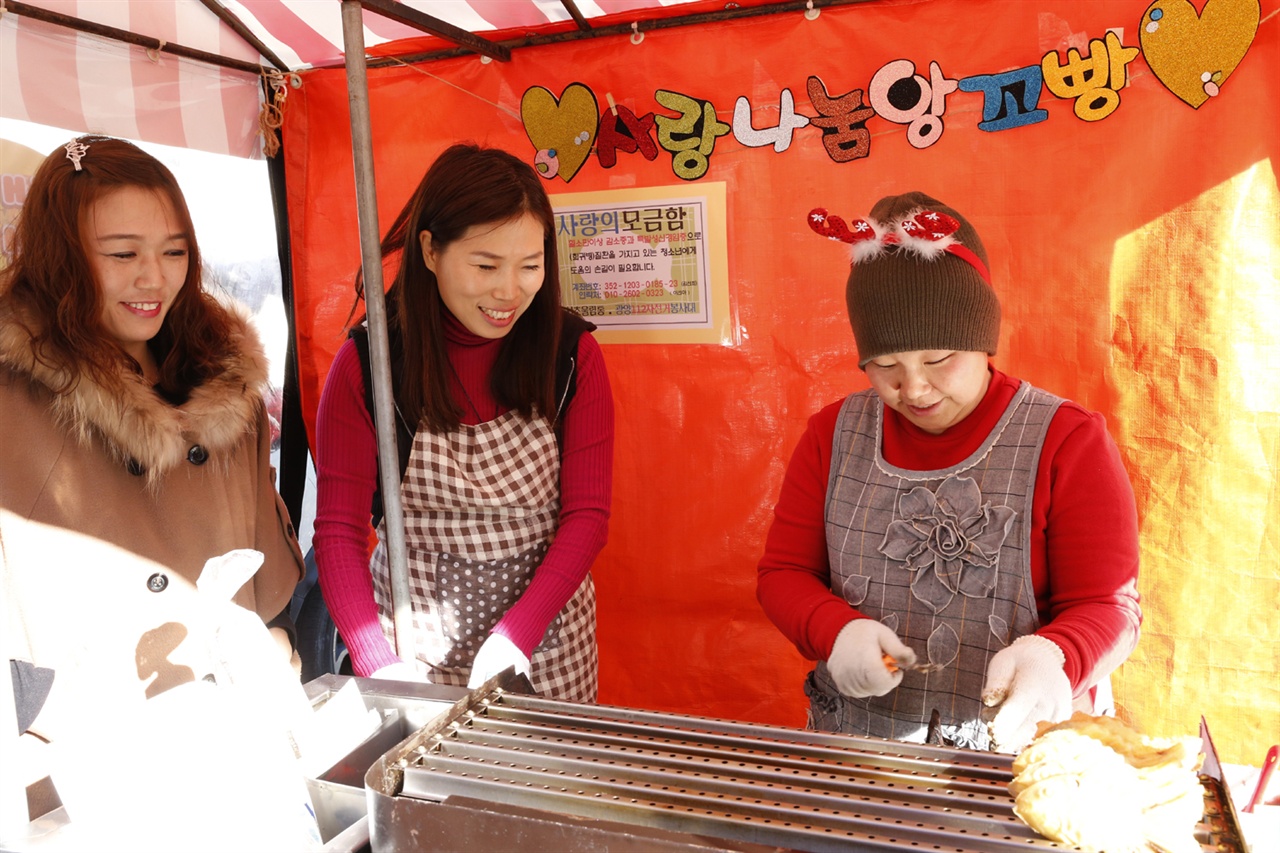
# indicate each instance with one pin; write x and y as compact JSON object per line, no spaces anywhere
{"x":135,"y":468}
{"x":197,"y":455}
{"x":157,"y":582}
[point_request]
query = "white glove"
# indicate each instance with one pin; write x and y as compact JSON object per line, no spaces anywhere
{"x":494,"y":656}
{"x":399,"y":671}
{"x":222,"y":576}
{"x":857,"y":659}
{"x":1027,"y":681}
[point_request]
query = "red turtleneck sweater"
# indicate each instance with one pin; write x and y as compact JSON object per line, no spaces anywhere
{"x":1084,"y":538}
{"x":346,"y":473}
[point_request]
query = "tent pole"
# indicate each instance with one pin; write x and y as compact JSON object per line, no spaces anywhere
{"x":375,"y":309}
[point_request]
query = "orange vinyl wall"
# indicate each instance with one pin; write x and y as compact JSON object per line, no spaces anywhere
{"x":1134,"y":250}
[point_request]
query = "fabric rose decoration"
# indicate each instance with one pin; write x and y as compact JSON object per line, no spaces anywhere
{"x":950,"y":539}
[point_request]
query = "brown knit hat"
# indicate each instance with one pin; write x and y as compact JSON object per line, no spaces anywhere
{"x":919,"y":279}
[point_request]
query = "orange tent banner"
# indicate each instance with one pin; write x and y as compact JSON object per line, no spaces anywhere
{"x":1118,"y":159}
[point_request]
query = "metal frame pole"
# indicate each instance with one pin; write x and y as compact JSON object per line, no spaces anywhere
{"x":375,"y":308}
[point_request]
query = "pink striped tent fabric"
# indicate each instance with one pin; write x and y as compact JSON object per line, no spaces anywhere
{"x":56,"y":76}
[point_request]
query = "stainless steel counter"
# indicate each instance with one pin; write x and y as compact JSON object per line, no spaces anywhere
{"x":338,"y":794}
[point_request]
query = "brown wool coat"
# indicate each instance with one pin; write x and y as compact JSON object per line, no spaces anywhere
{"x":66,"y":460}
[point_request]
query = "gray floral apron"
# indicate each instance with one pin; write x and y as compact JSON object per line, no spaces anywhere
{"x":941,"y":557}
{"x":480,"y":508}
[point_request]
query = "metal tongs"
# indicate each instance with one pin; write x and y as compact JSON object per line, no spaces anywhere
{"x":893,"y":665}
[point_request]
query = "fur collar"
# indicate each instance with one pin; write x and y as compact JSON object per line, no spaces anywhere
{"x":135,"y":423}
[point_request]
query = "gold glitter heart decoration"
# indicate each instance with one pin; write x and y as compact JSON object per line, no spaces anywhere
{"x":561,"y":129}
{"x":1193,"y":53}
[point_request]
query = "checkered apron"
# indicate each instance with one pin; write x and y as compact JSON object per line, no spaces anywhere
{"x":954,"y":604}
{"x":480,"y":508}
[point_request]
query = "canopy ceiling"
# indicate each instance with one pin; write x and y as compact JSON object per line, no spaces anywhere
{"x":188,"y":72}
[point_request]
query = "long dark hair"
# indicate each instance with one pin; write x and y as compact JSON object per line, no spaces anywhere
{"x":467,"y":186}
{"x":54,"y":293}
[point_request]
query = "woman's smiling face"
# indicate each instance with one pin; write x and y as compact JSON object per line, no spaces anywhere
{"x":489,"y":276}
{"x":138,"y":252}
{"x":933,"y":389}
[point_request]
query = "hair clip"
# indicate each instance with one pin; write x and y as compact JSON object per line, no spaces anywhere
{"x":75,"y":150}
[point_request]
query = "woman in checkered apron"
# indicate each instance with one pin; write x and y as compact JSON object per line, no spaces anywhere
{"x":506,"y":417}
{"x":956,"y":549}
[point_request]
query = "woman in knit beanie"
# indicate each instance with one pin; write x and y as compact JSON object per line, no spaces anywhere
{"x":955,"y":548}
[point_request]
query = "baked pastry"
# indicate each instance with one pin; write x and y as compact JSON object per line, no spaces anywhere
{"x":1100,"y":785}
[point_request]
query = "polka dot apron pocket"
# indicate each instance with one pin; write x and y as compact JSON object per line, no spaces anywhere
{"x":472,"y":596}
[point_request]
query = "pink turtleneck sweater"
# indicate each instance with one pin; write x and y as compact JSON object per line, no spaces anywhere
{"x":346,"y":473}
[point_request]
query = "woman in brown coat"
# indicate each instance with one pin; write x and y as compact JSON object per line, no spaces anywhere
{"x":131,"y":407}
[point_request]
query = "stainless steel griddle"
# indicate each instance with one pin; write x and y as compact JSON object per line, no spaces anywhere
{"x":504,"y":770}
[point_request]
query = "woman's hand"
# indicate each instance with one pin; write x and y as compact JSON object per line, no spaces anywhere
{"x":494,"y":656}
{"x":857,"y":659}
{"x":1027,"y":683}
{"x":399,"y":671}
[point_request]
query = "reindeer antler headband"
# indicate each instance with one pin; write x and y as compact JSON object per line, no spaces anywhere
{"x":929,"y":234}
